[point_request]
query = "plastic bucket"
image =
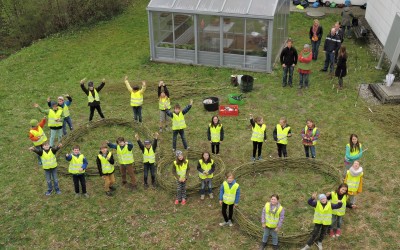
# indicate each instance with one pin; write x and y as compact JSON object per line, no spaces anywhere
{"x":247,"y":83}
{"x":213,"y":105}
{"x":233,"y":100}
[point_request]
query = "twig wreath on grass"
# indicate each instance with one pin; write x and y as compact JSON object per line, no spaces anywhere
{"x":167,"y":181}
{"x":70,"y":140}
{"x":253,"y":228}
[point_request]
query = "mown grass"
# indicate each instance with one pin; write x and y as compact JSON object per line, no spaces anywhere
{"x":148,"y":219}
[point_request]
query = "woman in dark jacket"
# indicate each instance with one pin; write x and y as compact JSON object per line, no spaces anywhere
{"x":341,"y":68}
{"x":315,"y":38}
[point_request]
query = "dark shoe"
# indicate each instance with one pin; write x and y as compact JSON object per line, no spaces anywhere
{"x":112,"y":188}
{"x":263,"y":245}
{"x":323,"y":70}
{"x":275,"y":247}
{"x":146,"y":186}
{"x":283,"y":85}
{"x":290,"y":85}
{"x":109,"y":193}
{"x":48,"y":193}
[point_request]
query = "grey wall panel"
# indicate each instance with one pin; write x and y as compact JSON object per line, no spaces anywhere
{"x":209,"y":58}
{"x":165,"y":53}
{"x":183,"y":54}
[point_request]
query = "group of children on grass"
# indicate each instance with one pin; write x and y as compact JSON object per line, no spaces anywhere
{"x":329,"y":208}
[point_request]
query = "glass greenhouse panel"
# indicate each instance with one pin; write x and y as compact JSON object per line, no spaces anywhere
{"x":233,"y":35}
{"x":210,"y":5}
{"x":209,"y":33}
{"x":262,"y":8}
{"x":256,"y":37}
{"x":161,"y":3}
{"x":162,"y":29}
{"x":186,"y":4}
{"x":236,"y":6}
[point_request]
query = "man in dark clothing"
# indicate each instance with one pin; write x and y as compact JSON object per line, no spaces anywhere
{"x":331,"y":45}
{"x":288,"y":60}
{"x":93,"y":97}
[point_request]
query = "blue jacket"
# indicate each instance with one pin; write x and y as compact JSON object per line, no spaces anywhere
{"x":184,"y":111}
{"x":85,"y":162}
{"x":221,"y":192}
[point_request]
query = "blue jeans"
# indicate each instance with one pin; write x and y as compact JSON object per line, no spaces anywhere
{"x":175,"y":133}
{"x":270,"y":231}
{"x":206,"y":183}
{"x":287,"y":69}
{"x":336,"y":221}
{"x":315,"y":47}
{"x":304,"y":79}
{"x":53,"y":134}
{"x":329,"y":60}
{"x":137,"y":113}
{"x":51,"y":174}
{"x":67,"y":120}
{"x":307,"y":149}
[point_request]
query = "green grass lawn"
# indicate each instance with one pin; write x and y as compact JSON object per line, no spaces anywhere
{"x":148,"y":219}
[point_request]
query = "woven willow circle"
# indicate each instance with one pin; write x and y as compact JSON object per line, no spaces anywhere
{"x":167,"y":181}
{"x":253,"y":228}
{"x":71,"y":138}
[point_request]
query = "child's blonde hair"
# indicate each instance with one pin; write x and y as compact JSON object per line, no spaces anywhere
{"x":283,"y":119}
{"x":258,"y":119}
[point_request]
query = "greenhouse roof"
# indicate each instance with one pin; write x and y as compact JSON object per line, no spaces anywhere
{"x":240,"y":8}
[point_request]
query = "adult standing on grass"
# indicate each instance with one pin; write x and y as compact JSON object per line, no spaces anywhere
{"x":93,"y":97}
{"x":305,"y":58}
{"x":316,"y":32}
{"x":288,"y":59}
{"x":354,"y":152}
{"x":341,"y":68}
{"x":65,"y":106}
{"x":347,"y":17}
{"x":56,"y":117}
{"x":331,"y":45}
{"x":136,"y":99}
{"x":37,"y":135}
{"x":163,"y":104}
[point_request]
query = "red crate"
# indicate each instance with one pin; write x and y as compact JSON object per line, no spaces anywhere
{"x":228,"y":110}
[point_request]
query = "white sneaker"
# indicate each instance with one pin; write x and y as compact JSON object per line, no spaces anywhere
{"x":202,"y":197}
{"x":223,"y":224}
{"x":230,"y":223}
{"x":305,"y":248}
{"x":211,"y":196}
{"x":319,"y":245}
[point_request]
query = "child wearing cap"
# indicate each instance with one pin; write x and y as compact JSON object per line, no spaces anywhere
{"x":136,"y":99}
{"x":322,"y":218}
{"x":37,"y":135}
{"x":56,"y":117}
{"x":354,"y":179}
{"x":229,"y":195}
{"x":93,"y":97}
{"x":304,"y":65}
{"x":206,"y":168}
{"x":49,"y":165}
{"x":180,"y":170}
{"x":272,"y":217}
{"x":281,"y":133}
{"x":125,"y":160}
{"x":163,"y":104}
{"x":65,"y":106}
{"x":105,"y":165}
{"x":149,"y":159}
{"x":77,"y":167}
{"x":178,"y":123}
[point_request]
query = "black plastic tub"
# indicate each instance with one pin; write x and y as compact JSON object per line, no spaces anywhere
{"x":211,"y":103}
{"x":247,"y":83}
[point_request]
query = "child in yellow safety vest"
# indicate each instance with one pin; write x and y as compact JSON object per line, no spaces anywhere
{"x":93,"y":97}
{"x":310,"y":135}
{"x":180,"y":170}
{"x":77,"y":167}
{"x":49,"y":165}
{"x":272,"y":217}
{"x":354,"y":152}
{"x":337,"y":214}
{"x":206,"y":169}
{"x":149,"y":159}
{"x":164,"y":103}
{"x":37,"y":135}
{"x":229,"y":195}
{"x":354,"y":179}
{"x":55,"y":121}
{"x":105,"y":165}
{"x":136,"y":99}
{"x":178,"y":123}
{"x":125,"y":160}
{"x":258,"y":136}
{"x":322,"y":218}
{"x":281,"y":134}
{"x":215,"y":134}
{"x":65,"y":106}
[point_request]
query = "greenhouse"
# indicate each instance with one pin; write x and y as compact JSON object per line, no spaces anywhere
{"x":242,"y":34}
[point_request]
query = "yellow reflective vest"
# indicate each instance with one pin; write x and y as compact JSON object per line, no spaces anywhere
{"x":206,"y":167}
{"x":136,"y":98}
{"x":149,"y":155}
{"x":125,"y":155}
{"x":95,"y":98}
{"x":340,"y":211}
{"x":38,"y":133}
{"x":229,"y":193}
{"x":272,"y":219}
{"x":65,"y":110}
{"x":181,"y":169}
{"x":162,"y":102}
{"x":49,"y":160}
{"x":215,"y":132}
{"x":323,"y":215}
{"x":75,"y":164}
{"x":314,"y":132}
{"x":106,"y":166}
{"x":353,"y":182}
{"x":178,"y":121}
{"x":258,"y":133}
{"x":282,"y":134}
{"x":53,"y":116}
